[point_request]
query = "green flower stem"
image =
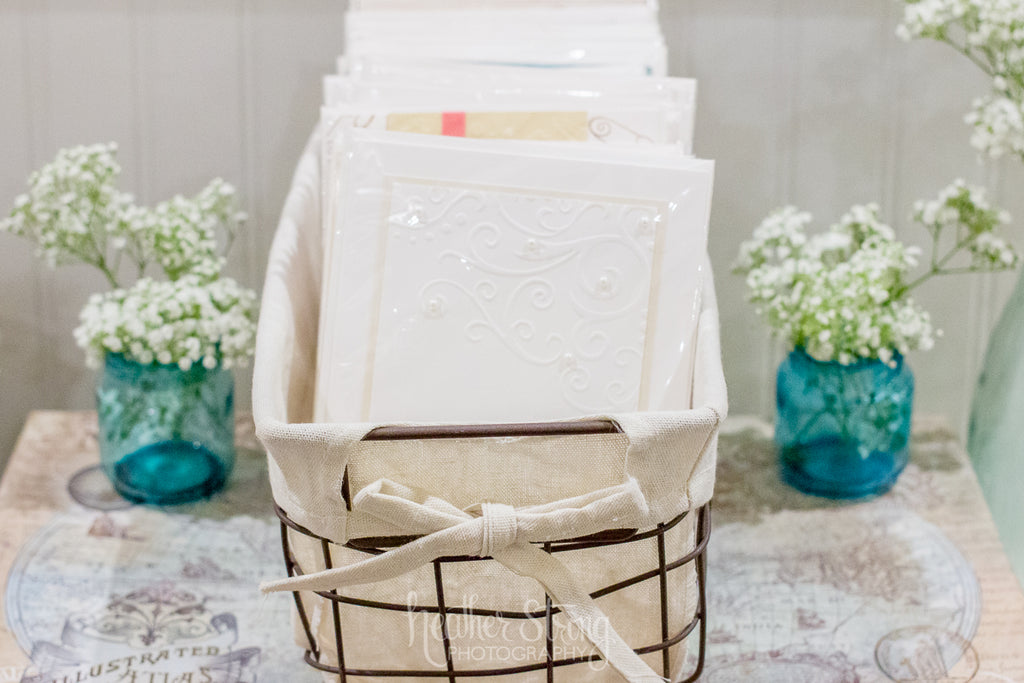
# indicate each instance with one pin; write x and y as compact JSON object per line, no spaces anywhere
{"x":99,"y":248}
{"x":840,"y":411}
{"x":189,"y":397}
{"x":959,"y":271}
{"x":229,"y":241}
{"x":967,"y":52}
{"x":101,"y":264}
{"x":806,"y":426}
{"x":937,"y":265}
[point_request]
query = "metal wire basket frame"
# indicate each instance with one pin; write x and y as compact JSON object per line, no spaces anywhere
{"x":375,"y":546}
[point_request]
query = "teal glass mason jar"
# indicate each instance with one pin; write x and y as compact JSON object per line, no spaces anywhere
{"x":843,"y":431}
{"x":166,"y":435}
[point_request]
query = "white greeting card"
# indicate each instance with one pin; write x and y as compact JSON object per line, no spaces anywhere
{"x":474,"y":281}
{"x":409,"y":5}
{"x":606,"y":38}
{"x":535,"y":299}
{"x":626,"y":111}
{"x":612,"y":39}
{"x":552,"y":119}
{"x":556,"y":27}
{"x":659,"y":110}
{"x":382,"y":81}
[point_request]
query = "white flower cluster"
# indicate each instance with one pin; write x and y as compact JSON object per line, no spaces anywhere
{"x":991,"y":34}
{"x":186,"y":321}
{"x":998,"y":126}
{"x":181,"y":234}
{"x":844,"y":294}
{"x":75,"y":214}
{"x":965,"y":212}
{"x":73,"y":210}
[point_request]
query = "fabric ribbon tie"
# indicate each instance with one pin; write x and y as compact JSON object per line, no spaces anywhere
{"x":505,"y":534}
{"x":500,"y":527}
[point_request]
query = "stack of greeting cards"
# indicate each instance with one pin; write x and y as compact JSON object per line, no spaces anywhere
{"x":514,"y":226}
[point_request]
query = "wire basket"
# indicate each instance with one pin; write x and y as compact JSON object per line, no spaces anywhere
{"x":647,"y":583}
{"x":332,"y":602}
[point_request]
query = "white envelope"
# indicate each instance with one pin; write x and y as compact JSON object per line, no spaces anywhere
{"x":668,"y":117}
{"x":622,"y":39}
{"x":404,"y":5}
{"x":652,"y":110}
{"x":477,"y":281}
{"x":383,"y":81}
{"x":556,"y":119}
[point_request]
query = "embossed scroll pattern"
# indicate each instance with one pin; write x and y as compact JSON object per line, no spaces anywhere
{"x":603,"y":127}
{"x":561,"y":285}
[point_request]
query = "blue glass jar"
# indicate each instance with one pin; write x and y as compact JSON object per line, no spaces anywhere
{"x":166,"y":435}
{"x":843,"y":431}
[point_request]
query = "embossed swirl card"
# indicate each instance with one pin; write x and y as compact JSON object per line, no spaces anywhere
{"x":471,"y":281}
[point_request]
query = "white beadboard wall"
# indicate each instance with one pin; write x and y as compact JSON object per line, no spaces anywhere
{"x":800,"y":101}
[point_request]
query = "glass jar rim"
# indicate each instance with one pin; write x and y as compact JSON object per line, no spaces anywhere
{"x":896,"y":361}
{"x":122,"y":365}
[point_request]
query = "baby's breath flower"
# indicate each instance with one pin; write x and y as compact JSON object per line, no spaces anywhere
{"x":74,"y":213}
{"x":844,"y":294}
{"x":991,"y":34}
{"x":73,"y":209}
{"x":181,"y":234}
{"x":186,"y":321}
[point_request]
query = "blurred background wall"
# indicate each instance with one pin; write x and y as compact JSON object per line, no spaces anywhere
{"x":800,"y":101}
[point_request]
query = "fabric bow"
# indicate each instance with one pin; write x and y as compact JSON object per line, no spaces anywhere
{"x":505,"y":534}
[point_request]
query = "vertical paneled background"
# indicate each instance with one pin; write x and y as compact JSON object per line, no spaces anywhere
{"x":800,"y":101}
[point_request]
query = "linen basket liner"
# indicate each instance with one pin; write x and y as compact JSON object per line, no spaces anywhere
{"x":665,"y":461}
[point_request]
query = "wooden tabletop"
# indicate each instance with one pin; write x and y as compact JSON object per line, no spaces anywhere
{"x":913,"y":585}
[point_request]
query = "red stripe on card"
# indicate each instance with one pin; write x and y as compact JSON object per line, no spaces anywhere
{"x":453,"y":123}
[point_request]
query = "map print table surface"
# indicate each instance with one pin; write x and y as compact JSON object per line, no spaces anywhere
{"x":912,"y":586}
{"x":139,"y":594}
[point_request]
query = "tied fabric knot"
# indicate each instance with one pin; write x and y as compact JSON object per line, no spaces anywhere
{"x":500,"y":527}
{"x":505,"y":534}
